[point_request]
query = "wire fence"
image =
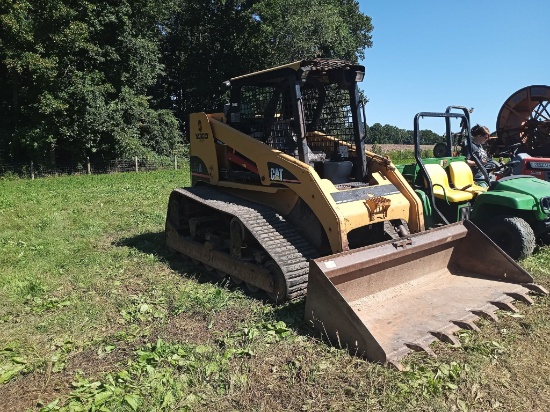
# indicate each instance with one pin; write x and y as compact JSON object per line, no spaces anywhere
{"x":32,"y":170}
{"x":399,"y":154}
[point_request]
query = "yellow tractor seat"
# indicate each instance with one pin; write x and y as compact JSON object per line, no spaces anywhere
{"x":463,"y":179}
{"x":441,"y":187}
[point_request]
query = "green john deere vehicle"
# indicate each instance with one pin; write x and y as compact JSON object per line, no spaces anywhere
{"x":514,"y":211}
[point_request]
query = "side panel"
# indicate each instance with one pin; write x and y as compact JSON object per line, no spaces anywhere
{"x":486,"y":203}
{"x":276,"y":168}
{"x":203,"y":159}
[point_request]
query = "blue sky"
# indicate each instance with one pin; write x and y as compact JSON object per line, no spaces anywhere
{"x":429,"y":54}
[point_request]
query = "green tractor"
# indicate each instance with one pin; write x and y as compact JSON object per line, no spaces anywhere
{"x":514,"y":211}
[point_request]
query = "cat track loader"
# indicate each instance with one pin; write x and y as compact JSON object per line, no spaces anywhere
{"x":285,"y":199}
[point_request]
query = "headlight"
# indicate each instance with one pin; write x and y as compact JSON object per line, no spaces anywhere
{"x":545,"y":204}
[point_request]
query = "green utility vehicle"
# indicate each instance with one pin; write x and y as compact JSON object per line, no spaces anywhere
{"x":514,"y":211}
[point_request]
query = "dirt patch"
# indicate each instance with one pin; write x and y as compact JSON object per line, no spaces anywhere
{"x":198,"y":329}
{"x":44,"y":386}
{"x":184,"y":328}
{"x":284,"y":378}
{"x":33,"y":390}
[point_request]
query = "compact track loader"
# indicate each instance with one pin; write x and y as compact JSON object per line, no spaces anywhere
{"x":283,"y":191}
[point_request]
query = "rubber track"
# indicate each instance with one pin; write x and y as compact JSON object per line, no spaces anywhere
{"x":278,"y":237}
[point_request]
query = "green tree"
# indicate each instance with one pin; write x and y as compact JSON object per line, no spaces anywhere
{"x":387,"y":134}
{"x":209,"y":41}
{"x":429,"y":137}
{"x":297,"y":29}
{"x":374,"y":134}
{"x":89,"y":78}
{"x":205,"y":42}
{"x":78,"y":73}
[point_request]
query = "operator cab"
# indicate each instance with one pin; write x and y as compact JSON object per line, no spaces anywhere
{"x":308,"y":109}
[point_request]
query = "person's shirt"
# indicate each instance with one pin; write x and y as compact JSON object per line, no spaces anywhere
{"x":480,"y":153}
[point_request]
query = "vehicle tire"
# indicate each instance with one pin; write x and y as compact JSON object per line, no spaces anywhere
{"x":513,"y":235}
{"x":544,"y":239}
{"x":440,"y":149}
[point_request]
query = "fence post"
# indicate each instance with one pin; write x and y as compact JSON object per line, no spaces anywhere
{"x":136,"y":159}
{"x":175,"y":162}
{"x":88,"y":165}
{"x":32,"y":170}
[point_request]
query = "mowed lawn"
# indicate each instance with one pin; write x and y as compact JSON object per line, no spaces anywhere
{"x":96,"y":314}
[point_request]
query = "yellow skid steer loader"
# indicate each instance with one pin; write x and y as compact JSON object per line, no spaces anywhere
{"x":285,"y":199}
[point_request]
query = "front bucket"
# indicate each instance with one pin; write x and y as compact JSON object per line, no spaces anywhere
{"x":385,"y":300}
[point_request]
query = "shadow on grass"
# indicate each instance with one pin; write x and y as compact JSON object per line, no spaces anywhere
{"x":154,"y":244}
{"x":292,"y":313}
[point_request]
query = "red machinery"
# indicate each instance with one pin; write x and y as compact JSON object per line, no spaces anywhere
{"x":533,"y":166}
{"x":524,"y":121}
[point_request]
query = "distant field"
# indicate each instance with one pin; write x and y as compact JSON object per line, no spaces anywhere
{"x":97,"y":314}
{"x":401,"y":153}
{"x":398,"y":147}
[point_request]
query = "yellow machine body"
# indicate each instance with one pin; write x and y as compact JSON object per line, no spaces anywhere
{"x":211,"y":139}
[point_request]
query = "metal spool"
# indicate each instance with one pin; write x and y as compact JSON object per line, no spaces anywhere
{"x":525,"y":118}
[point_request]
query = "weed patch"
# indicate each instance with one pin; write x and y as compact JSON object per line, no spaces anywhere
{"x":160,"y":376}
{"x":11,"y":364}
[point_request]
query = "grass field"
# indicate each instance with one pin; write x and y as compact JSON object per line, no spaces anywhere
{"x":97,"y":314}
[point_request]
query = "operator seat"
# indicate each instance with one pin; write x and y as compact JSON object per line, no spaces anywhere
{"x":463,"y":178}
{"x":441,"y":187}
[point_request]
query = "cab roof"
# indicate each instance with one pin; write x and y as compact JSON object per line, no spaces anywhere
{"x":319,"y":66}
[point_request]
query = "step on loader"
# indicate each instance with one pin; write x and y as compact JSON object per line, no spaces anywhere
{"x":285,"y":199}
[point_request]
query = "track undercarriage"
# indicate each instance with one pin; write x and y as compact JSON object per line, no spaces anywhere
{"x":249,"y":242}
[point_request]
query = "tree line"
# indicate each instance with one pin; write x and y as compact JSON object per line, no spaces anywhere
{"x":386,"y":134}
{"x":118,"y":78}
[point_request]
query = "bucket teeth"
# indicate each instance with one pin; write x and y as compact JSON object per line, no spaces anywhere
{"x":505,"y":306}
{"x":535,"y":288}
{"x":466,"y":324}
{"x":395,"y":365}
{"x":420,"y":347}
{"x":521,"y":297}
{"x":447,"y":338}
{"x":485,"y":314}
